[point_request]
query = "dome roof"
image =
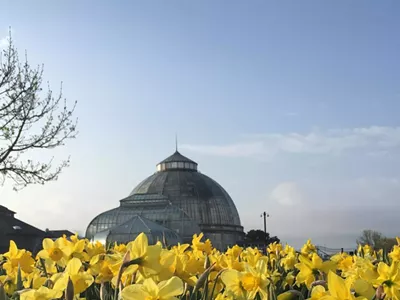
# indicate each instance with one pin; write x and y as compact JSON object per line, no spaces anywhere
{"x":199,"y":196}
{"x":179,"y":197}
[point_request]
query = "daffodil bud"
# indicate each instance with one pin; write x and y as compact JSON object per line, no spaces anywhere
{"x":49,"y":284}
{"x":69,"y":292}
{"x":207,"y":262}
{"x":3,"y":295}
{"x":297,"y":294}
{"x":203,"y":278}
{"x":19,"y":279}
{"x":380,"y":294}
{"x":319,"y":282}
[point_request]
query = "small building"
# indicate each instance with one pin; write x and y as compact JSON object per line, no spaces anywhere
{"x":24,"y":235}
{"x":55,"y":234}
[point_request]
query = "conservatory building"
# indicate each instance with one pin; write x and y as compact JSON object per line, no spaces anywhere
{"x":174,"y":203}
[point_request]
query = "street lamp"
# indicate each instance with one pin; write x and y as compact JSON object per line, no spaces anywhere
{"x":265,"y":215}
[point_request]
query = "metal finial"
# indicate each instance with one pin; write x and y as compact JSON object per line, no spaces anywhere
{"x":176,"y":142}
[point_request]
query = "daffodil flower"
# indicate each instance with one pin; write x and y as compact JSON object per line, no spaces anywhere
{"x":16,"y":257}
{"x":42,"y":293}
{"x":148,"y":257}
{"x":311,"y":270}
{"x":56,"y":251}
{"x":81,"y":280}
{"x":389,"y":278}
{"x":338,"y":289}
{"x":233,"y":283}
{"x":149,"y":290}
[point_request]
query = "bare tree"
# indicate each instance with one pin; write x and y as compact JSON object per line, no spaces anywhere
{"x":370,"y":237}
{"x":30,"y":119}
{"x":376,"y":239}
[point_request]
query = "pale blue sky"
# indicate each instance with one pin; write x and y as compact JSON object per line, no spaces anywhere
{"x":293,"y":106}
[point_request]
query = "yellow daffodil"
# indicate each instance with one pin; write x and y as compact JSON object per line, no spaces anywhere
{"x":201,"y":246}
{"x":311,"y":270}
{"x":395,"y":253}
{"x":233,"y":283}
{"x":81,"y":280}
{"x":152,"y":272}
{"x":147,"y":257}
{"x":42,"y":293}
{"x":56,"y":251}
{"x":34,"y":280}
{"x":389,"y":278}
{"x":235,"y":251}
{"x":274,"y":250}
{"x":338,"y":290}
{"x":255,"y":279}
{"x":149,"y":290}
{"x":96,"y":248}
{"x":318,"y":292}
{"x":289,"y":261}
{"x":16,"y":257}
{"x":308,"y":248}
{"x":9,"y":283}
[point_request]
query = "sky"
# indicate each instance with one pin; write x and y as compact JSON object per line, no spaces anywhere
{"x":292,"y":106}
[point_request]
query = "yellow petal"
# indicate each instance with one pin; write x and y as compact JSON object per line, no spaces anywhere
{"x":134,"y":292}
{"x":383,"y":269}
{"x":79,"y":246}
{"x":73,"y":266}
{"x":337,"y":287}
{"x":61,"y":282}
{"x":230,"y":277}
{"x":43,"y":254}
{"x":47,"y":244}
{"x":363,"y":288}
{"x":170,"y":288}
{"x":29,"y":295}
{"x":139,"y":246}
{"x":150,"y":287}
{"x":13,"y":251}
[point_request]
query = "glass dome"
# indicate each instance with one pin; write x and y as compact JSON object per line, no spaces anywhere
{"x":129,"y":230}
{"x":179,"y":197}
{"x":153,"y":207}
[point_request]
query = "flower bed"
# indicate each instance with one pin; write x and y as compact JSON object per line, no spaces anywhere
{"x":72,"y":268}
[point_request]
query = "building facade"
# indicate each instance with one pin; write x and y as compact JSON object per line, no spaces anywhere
{"x":24,"y":235}
{"x":178,"y":197}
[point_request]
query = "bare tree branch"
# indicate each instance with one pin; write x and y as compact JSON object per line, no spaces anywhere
{"x":29,"y":119}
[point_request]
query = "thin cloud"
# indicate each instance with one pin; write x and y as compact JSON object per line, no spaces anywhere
{"x":372,"y":139}
{"x":287,"y":194}
{"x":291,"y":114}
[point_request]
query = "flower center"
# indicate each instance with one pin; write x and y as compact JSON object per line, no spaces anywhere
{"x":250,"y":282}
{"x":55,"y":254}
